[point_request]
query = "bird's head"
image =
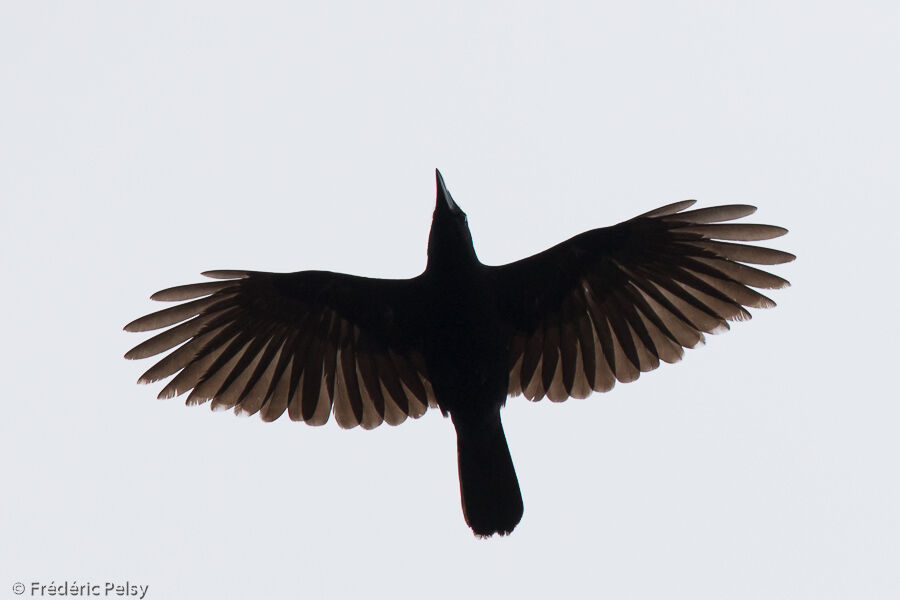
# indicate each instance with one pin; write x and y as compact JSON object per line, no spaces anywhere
{"x":450,"y":242}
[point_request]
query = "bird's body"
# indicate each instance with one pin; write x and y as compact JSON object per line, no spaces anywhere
{"x":465,"y":356}
{"x":462,"y":336}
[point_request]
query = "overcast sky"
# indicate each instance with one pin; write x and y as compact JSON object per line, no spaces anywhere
{"x":144,"y":142}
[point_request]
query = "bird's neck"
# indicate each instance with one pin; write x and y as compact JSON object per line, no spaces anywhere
{"x":455,"y":263}
{"x":450,"y":250}
{"x":451,"y":256}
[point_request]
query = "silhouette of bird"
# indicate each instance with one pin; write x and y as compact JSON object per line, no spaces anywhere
{"x":603,"y":306}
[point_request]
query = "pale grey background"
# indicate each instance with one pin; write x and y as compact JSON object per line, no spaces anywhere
{"x":144,"y":142}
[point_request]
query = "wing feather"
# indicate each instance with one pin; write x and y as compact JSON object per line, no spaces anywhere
{"x":308,"y":343}
{"x":611,"y":303}
{"x":550,"y":354}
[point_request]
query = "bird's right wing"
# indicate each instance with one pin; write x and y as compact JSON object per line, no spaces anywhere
{"x":306,"y":343}
{"x":610,"y":303}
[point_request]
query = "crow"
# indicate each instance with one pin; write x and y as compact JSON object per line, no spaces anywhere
{"x":601,"y":307}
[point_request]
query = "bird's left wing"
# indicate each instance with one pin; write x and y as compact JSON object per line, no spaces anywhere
{"x":610,"y":303}
{"x":308,"y":343}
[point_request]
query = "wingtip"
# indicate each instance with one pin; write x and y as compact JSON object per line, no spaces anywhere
{"x":137,"y":326}
{"x":777,"y":231}
{"x":668,"y":209}
{"x":226,"y":274}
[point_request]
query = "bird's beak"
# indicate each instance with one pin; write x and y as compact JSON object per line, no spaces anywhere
{"x":443,"y":195}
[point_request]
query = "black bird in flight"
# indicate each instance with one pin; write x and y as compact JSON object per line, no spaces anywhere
{"x":603,"y":306}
